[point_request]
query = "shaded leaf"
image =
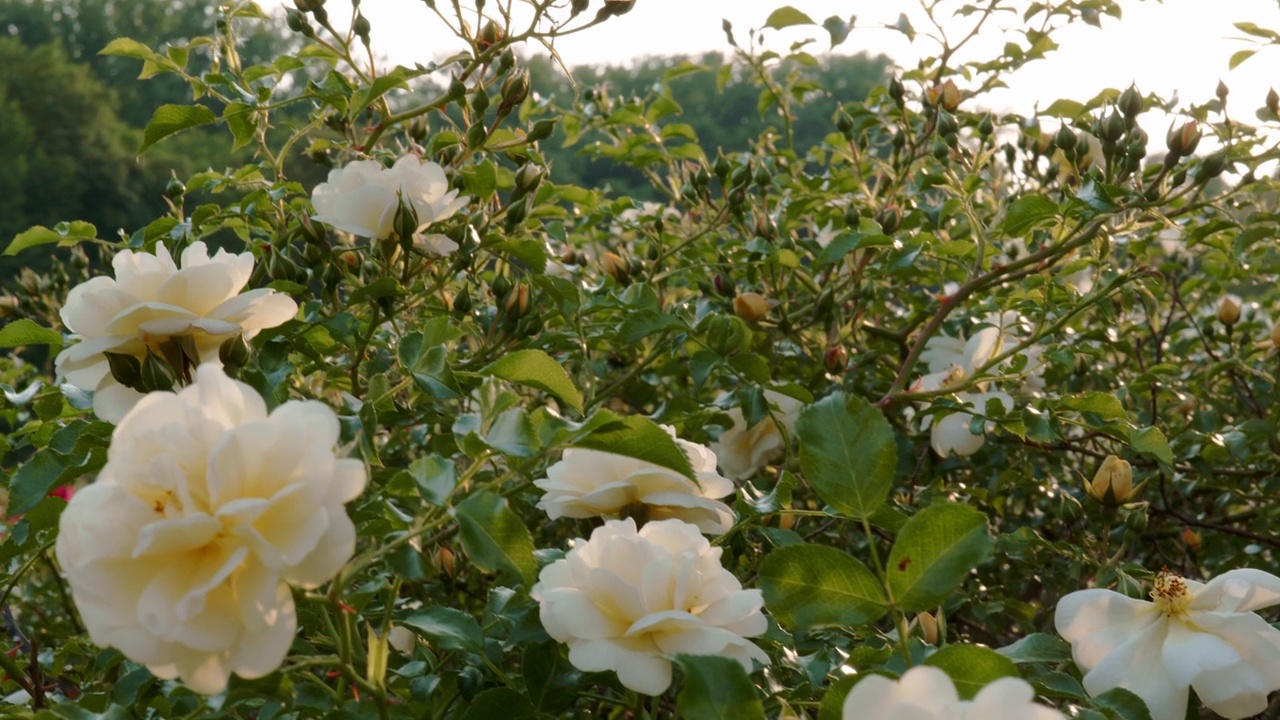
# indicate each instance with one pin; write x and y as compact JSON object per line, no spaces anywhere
{"x":807,"y":586}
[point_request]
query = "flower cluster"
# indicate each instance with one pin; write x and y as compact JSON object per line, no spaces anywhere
{"x":151,"y":306}
{"x":628,"y":600}
{"x":182,"y":552}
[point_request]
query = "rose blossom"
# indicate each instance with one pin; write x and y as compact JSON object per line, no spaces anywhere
{"x":592,"y":483}
{"x":362,"y":198}
{"x":927,"y":693}
{"x":1200,"y":635}
{"x":743,"y":450}
{"x":629,"y":600}
{"x":150,"y":302}
{"x":182,"y":552}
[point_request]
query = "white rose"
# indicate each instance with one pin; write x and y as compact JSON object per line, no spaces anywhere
{"x":952,"y":433}
{"x":591,"y":483}
{"x":628,"y":601}
{"x":1200,"y":635}
{"x":927,"y":693}
{"x":181,"y":553}
{"x":149,"y":302}
{"x":362,"y":199}
{"x":743,"y":450}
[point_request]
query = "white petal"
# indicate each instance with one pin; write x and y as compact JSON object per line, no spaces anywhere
{"x":1096,"y":622}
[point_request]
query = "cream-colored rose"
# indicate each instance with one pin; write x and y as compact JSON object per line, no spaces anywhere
{"x":927,"y":693}
{"x":181,"y":554}
{"x":362,"y":198}
{"x":151,"y":301}
{"x":628,"y":601}
{"x":742,"y":451}
{"x":1204,"y":636}
{"x":591,"y":483}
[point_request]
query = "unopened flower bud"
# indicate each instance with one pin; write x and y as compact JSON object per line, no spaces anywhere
{"x":1212,"y":166}
{"x":616,"y":267}
{"x":1273,"y":102}
{"x":1228,"y":311}
{"x":723,"y":285}
{"x":946,"y":95}
{"x":752,"y":307}
{"x":405,"y":223}
{"x":515,"y":89}
{"x":1113,"y":483}
{"x":890,"y":219}
{"x":445,"y":562}
{"x":361,"y":28}
{"x":154,"y":375}
{"x":517,"y":304}
{"x":174,"y":188}
{"x":727,"y":334}
{"x":721,"y":167}
{"x":1192,"y":540}
{"x":1131,"y":102}
{"x":125,"y":368}
{"x":541,"y":130}
{"x":836,"y":359}
{"x":844,"y":124}
{"x":490,"y":34}
{"x":896,"y":91}
{"x":928,"y":628}
{"x":1222,"y":91}
{"x":1065,"y":139}
{"x":1182,"y":141}
{"x":947,"y":125}
{"x":234,"y":353}
{"x":528,"y":178}
{"x":1112,"y":127}
{"x":986,"y":125}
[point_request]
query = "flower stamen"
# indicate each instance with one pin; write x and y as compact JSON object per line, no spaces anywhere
{"x":1170,"y":594}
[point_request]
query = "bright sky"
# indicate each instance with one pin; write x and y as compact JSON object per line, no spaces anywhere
{"x":1181,"y":45}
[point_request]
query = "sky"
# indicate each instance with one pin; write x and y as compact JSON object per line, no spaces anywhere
{"x":1176,"y":45}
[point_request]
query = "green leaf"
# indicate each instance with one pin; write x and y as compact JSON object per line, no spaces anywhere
{"x":808,"y":586}
{"x":494,"y":537}
{"x":499,"y":703}
{"x":64,"y":233}
{"x":1104,"y":405}
{"x":1151,"y":442}
{"x":716,"y":688}
{"x":635,"y":437}
{"x":1123,"y":705}
{"x":170,"y":119}
{"x":838,"y":30}
{"x":382,"y":85}
{"x":38,"y":235}
{"x":934,"y":551}
{"x":787,"y":16}
{"x":1027,"y":212}
{"x":1240,"y":56}
{"x":847,"y":453}
{"x":435,"y":477}
{"x":128,"y":47}
{"x":1038,"y":647}
{"x":240,"y":121}
{"x":971,"y":667}
{"x":536,"y":369}
{"x":448,"y":629}
{"x":27,"y":332}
